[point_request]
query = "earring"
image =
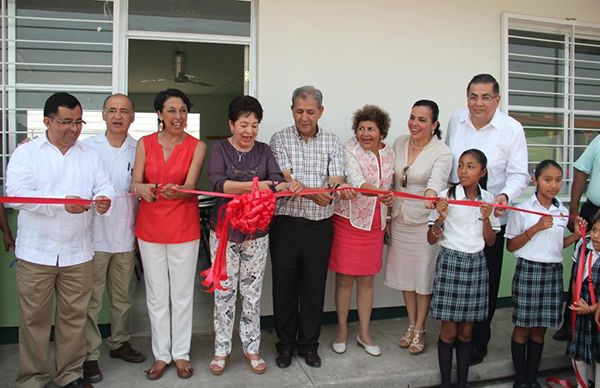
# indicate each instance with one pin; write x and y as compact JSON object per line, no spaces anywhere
{"x":161,"y":126}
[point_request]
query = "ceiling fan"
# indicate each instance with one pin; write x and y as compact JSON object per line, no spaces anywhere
{"x":180,"y":76}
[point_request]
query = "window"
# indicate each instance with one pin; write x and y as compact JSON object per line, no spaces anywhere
{"x":62,"y":45}
{"x":218,"y":17}
{"x":552,"y":69}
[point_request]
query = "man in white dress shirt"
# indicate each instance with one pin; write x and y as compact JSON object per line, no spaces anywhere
{"x":54,"y":243}
{"x":113,"y":239}
{"x":502,"y":140}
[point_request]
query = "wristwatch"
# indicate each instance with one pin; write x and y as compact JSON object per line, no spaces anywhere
{"x":438,"y":225}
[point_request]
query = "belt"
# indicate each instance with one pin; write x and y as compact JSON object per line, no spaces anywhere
{"x":300,"y":220}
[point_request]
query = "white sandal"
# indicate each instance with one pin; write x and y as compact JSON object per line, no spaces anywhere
{"x":254,"y":364}
{"x":406,"y":339}
{"x":220,"y":366}
{"x":418,"y":343}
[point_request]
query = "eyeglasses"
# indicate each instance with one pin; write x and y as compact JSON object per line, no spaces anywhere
{"x":70,"y":123}
{"x":405,"y":176}
{"x":484,"y":98}
{"x":244,"y":173}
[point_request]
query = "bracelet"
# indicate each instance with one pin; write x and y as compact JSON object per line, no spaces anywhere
{"x":439,"y":226}
{"x":436,"y":235}
{"x":527,"y":235}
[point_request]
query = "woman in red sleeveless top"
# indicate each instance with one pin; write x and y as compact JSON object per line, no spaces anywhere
{"x":168,"y":229}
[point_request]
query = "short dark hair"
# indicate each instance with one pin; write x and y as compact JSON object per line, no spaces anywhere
{"x":164,"y":95}
{"x":543,"y":165}
{"x":375,"y":114}
{"x":435,"y":113}
{"x":484,"y":79}
{"x":60,"y":99}
{"x":119,"y":94}
{"x":595,"y":220}
{"x":244,"y":106}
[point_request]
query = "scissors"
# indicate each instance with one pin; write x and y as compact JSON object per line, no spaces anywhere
{"x":333,"y":187}
{"x":156,"y":191}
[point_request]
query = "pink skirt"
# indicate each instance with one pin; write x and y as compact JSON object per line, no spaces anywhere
{"x":355,"y":251}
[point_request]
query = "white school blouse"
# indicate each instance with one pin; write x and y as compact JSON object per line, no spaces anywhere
{"x":463,"y":228}
{"x":577,"y":254}
{"x":545,"y":246}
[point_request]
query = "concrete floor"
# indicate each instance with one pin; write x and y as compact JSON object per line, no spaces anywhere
{"x":394,"y":368}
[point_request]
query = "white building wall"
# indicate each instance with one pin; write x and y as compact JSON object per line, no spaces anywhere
{"x":385,"y":52}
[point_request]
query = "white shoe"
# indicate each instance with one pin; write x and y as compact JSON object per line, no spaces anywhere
{"x":339,"y":347}
{"x":373,"y":350}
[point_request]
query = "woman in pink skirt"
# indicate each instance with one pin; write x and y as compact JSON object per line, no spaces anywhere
{"x":359,"y":223}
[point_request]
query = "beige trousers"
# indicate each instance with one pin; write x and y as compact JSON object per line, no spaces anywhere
{"x":115,"y":271}
{"x":36,"y":284}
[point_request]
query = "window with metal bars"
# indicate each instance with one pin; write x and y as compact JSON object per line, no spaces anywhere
{"x":552,"y":70}
{"x":51,"y":46}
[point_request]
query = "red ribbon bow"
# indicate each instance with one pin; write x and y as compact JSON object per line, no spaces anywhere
{"x":247,"y":213}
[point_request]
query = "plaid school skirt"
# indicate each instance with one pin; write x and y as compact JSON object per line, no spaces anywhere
{"x":537,"y":291}
{"x":584,"y":345}
{"x":460,"y":287}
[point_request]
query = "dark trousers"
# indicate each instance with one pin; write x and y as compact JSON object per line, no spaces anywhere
{"x":588,"y":211}
{"x":300,"y":252}
{"x":482,"y":330}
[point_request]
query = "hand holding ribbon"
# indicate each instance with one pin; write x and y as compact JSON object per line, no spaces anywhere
{"x":76,"y":208}
{"x":102,"y":204}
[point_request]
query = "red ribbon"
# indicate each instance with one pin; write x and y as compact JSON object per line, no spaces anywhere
{"x":49,"y":201}
{"x":253,"y":211}
{"x":561,"y":382}
{"x":577,"y":294}
{"x":247,"y":213}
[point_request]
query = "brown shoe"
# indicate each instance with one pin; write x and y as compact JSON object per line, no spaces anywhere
{"x":157,"y":370}
{"x":185,"y":370}
{"x":127,"y":353}
{"x":91,"y":371}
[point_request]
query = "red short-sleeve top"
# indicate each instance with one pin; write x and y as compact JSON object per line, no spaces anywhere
{"x":168,"y":221}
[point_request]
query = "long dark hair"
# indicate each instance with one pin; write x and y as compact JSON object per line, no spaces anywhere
{"x":482,"y":159}
{"x":435,"y":113}
{"x":543,"y":165}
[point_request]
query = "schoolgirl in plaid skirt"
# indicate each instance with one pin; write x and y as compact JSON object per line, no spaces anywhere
{"x":584,"y":346}
{"x":537,"y":243}
{"x":460,"y":287}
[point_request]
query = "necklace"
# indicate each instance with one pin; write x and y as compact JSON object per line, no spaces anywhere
{"x":240,"y":154}
{"x":414,"y":146}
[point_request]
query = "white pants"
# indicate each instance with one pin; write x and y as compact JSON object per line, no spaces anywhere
{"x":588,"y":373}
{"x":246,"y":263}
{"x":170,"y":269}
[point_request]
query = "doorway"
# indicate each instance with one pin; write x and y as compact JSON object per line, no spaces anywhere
{"x":211,"y":75}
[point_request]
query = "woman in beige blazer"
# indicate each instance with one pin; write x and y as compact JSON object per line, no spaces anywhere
{"x":422,"y":167}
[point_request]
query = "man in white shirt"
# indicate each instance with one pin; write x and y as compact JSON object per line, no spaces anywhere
{"x":502,"y":140}
{"x":54,"y":243}
{"x":113,"y":239}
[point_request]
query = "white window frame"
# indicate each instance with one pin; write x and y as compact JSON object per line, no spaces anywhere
{"x":123,"y":35}
{"x":120,"y":51}
{"x":572,"y":29}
